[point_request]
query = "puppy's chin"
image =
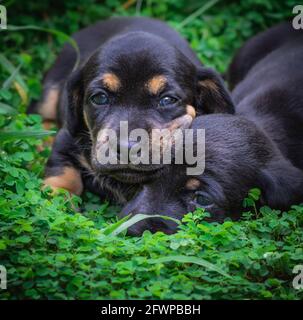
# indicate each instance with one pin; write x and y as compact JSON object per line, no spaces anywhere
{"x":133,"y":176}
{"x":128,"y":173}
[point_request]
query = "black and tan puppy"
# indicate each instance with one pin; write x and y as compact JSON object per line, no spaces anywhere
{"x":132,"y":69}
{"x":261,"y":146}
{"x":271,"y":92}
{"x":238,"y":156}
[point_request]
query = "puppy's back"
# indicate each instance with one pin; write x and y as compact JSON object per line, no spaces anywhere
{"x":91,"y":37}
{"x":271,"y":93}
{"x":258,"y":47}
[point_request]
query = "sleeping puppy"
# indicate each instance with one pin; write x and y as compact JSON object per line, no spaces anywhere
{"x":271,"y":92}
{"x":135,"y":70}
{"x":238,"y":156}
{"x":260,"y":147}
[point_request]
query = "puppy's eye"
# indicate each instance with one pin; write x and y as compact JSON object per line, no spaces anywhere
{"x":203,"y":200}
{"x":166,"y":101}
{"x":100,"y":99}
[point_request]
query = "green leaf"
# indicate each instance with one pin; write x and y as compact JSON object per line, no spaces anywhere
{"x":189,"y":259}
{"x":57,"y":33}
{"x":15,"y":76}
{"x":8,"y":82}
{"x":5,"y":94}
{"x":6,"y":109}
{"x":23,"y":239}
{"x":255,"y":194}
{"x":2,"y":245}
{"x":197,"y":13}
{"x":13,"y":135}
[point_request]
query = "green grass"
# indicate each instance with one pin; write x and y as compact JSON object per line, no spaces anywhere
{"x":50,"y":251}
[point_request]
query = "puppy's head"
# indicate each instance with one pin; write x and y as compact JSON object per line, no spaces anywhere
{"x":238,"y":157}
{"x":139,"y":79}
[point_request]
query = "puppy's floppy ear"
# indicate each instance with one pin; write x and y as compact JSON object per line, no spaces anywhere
{"x":282,"y":184}
{"x":73,"y":102}
{"x":212,"y":96}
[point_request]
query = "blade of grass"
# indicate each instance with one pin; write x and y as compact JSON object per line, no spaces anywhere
{"x":6,"y":109}
{"x":22,"y":93}
{"x":14,"y":78}
{"x":197,"y":13}
{"x":138,"y":7}
{"x":9,"y":67}
{"x":189,"y":259}
{"x":136,"y":218}
{"x":110,"y":229}
{"x":57,"y":33}
{"x":13,"y":135}
{"x":7,"y":83}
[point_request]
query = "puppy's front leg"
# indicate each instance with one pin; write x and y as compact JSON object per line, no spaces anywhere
{"x":61,"y":169}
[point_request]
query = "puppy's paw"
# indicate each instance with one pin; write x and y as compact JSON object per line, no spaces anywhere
{"x":69,"y":180}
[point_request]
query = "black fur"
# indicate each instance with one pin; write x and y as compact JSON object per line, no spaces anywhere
{"x":261,"y":146}
{"x":134,"y":50}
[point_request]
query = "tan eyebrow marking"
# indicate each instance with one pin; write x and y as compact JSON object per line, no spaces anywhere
{"x":111,"y":81}
{"x":86,"y":119}
{"x":155,"y":84}
{"x":192,"y":184}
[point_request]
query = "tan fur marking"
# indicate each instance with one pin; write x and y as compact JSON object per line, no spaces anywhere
{"x":209,"y":84}
{"x":70,"y":180}
{"x":192,"y":184}
{"x":87,"y":124}
{"x":111,"y":81}
{"x":85,"y":119}
{"x":48,"y":124}
{"x":155,"y":84}
{"x":48,"y":107}
{"x":190,"y":110}
{"x":182,"y":122}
